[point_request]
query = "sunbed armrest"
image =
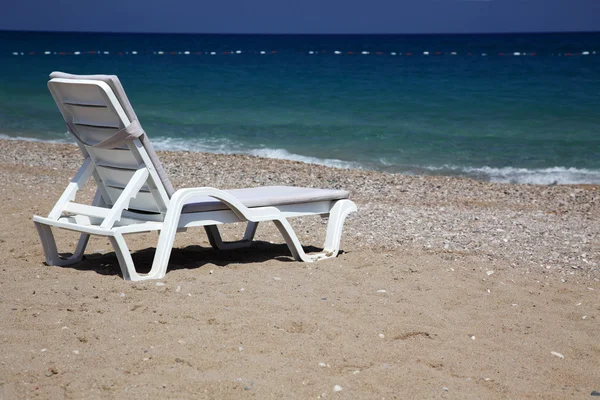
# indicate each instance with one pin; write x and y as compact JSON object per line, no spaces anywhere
{"x":82,"y":176}
{"x":183,"y":197}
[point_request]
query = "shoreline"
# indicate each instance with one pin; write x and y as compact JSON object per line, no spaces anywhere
{"x":556,"y":175}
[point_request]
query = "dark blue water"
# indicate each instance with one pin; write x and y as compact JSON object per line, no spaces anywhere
{"x":515,"y":108}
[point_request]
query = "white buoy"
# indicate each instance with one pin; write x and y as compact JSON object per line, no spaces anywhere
{"x":516,"y":53}
{"x":238,"y":52}
{"x":364,"y":52}
{"x":585,"y":53}
{"x":212,"y":53}
{"x":77,"y":53}
{"x":337,"y":52}
{"x":47,"y":52}
{"x":393,"y":53}
{"x":161,"y":52}
{"x":426,"y":53}
{"x":453,"y":53}
{"x":134,"y":52}
{"x":106,"y":52}
{"x":262,"y":52}
{"x":483,"y":54}
{"x":15,"y":53}
{"x":186,"y":52}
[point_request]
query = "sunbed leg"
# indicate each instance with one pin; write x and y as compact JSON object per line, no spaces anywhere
{"x":80,"y":249}
{"x":50,"y":250}
{"x":214,"y":237}
{"x":48,"y":244}
{"x":250,"y":232}
{"x":337,"y":216}
{"x":292,"y":240}
{"x":125,"y":260}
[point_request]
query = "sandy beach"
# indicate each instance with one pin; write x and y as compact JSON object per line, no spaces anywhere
{"x":445,"y":288}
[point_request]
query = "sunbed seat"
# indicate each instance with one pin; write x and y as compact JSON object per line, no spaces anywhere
{"x":267,"y":196}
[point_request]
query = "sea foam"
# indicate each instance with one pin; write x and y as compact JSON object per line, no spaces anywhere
{"x":542,"y":176}
{"x":30,"y":139}
{"x":225,"y":146}
{"x":536,"y":176}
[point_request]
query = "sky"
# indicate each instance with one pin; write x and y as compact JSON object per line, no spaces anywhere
{"x":302,"y":16}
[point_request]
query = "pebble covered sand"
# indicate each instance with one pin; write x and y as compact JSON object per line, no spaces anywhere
{"x":531,"y":226}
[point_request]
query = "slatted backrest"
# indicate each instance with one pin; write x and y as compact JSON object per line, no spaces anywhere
{"x":91,"y":108}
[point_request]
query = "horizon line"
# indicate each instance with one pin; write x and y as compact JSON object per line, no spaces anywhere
{"x":298,"y":34}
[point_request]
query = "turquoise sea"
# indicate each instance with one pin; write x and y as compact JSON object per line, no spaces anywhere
{"x":511,"y":108}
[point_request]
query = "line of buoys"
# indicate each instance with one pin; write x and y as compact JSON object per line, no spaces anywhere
{"x":310,"y":52}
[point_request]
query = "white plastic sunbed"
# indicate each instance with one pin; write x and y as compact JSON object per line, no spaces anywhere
{"x":135,"y":195}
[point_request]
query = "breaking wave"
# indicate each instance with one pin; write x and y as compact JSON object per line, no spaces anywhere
{"x":538,"y":176}
{"x":224,"y":146}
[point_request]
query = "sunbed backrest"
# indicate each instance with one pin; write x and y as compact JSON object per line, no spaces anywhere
{"x":94,"y":113}
{"x":117,"y":89}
